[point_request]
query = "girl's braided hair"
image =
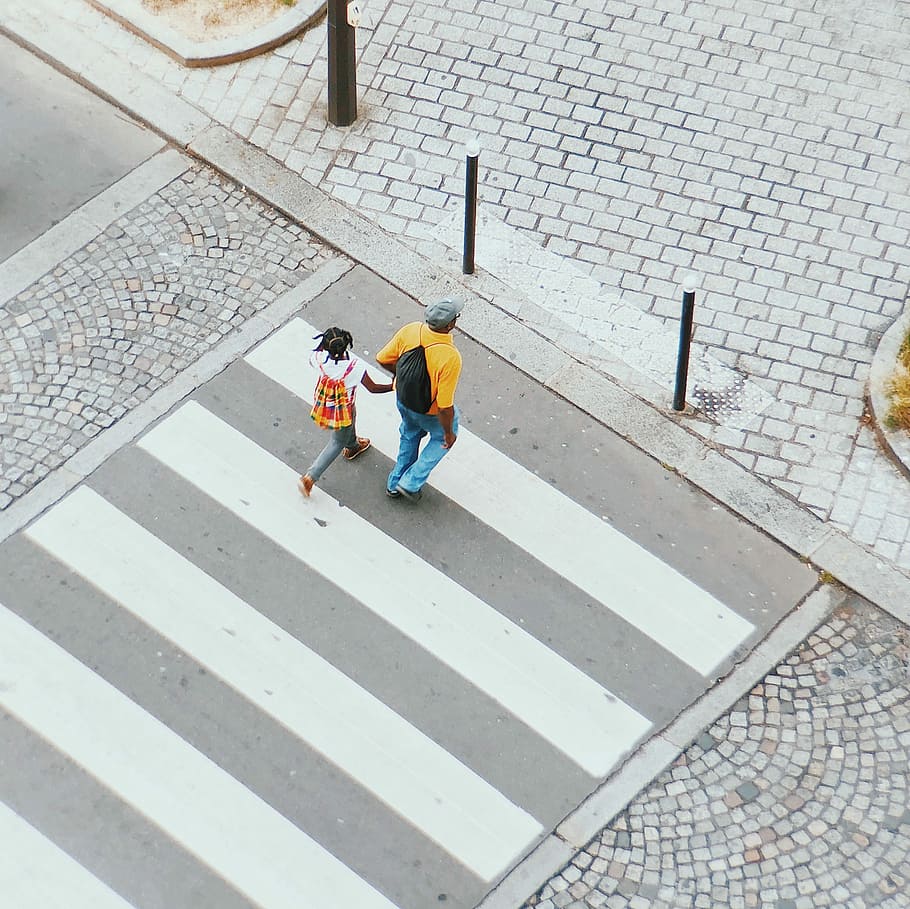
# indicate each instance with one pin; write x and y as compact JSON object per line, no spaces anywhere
{"x":335,"y":342}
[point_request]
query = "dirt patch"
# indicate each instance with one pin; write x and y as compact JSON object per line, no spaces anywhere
{"x":211,"y":20}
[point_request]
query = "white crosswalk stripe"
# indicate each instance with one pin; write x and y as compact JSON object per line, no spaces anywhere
{"x":563,"y":705}
{"x":36,"y":874}
{"x":255,"y":849}
{"x":414,"y":776}
{"x":571,"y":541}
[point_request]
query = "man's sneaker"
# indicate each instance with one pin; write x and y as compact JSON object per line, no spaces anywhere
{"x":351,"y":453}
{"x":392,"y":493}
{"x":305,"y":484}
{"x":413,"y":497}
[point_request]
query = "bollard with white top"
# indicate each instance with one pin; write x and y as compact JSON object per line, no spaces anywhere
{"x":685,"y":338}
{"x":472,"y":153}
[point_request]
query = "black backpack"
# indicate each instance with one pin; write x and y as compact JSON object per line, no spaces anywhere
{"x":412,"y":380}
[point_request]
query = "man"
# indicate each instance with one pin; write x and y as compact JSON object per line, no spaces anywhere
{"x":440,"y":422}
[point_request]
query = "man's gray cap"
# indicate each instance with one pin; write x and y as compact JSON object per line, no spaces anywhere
{"x":439,"y":314}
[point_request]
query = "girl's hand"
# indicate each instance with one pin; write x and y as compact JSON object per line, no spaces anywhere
{"x":377,"y":388}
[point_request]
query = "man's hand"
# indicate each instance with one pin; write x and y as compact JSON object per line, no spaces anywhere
{"x":446,"y":416}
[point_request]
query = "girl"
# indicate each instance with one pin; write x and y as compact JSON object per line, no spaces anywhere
{"x":333,"y":359}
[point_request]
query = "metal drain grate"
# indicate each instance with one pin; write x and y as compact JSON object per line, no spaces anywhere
{"x":720,"y":402}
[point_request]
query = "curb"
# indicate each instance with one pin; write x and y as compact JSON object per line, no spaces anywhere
{"x":29,"y":264}
{"x":133,"y":16}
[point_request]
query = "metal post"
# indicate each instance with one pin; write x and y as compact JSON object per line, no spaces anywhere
{"x":472,"y":150}
{"x":685,"y":337}
{"x":342,"y":65}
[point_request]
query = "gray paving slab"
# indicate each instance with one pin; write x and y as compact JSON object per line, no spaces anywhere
{"x":78,"y":228}
{"x":543,"y":868}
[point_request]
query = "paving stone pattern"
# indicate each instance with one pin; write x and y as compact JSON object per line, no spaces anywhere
{"x":797,"y":798}
{"x":125,"y":314}
{"x":760,"y":145}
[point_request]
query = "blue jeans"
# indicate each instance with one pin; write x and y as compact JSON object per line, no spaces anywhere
{"x":346,"y":437}
{"x":413,"y":466}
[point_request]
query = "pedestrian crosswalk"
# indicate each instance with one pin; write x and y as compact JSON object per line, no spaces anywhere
{"x":548,"y":693}
{"x":418,"y":766}
{"x":355,"y":731}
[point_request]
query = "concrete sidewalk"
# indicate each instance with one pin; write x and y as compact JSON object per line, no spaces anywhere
{"x":769,"y":456}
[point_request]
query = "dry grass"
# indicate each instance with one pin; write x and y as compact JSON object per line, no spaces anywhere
{"x":203,"y":20}
{"x":898,"y":390}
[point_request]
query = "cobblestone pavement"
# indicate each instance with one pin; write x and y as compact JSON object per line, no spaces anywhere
{"x":760,"y":145}
{"x":107,"y":327}
{"x":799,"y":797}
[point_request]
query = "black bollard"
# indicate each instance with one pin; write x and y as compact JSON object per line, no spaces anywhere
{"x":470,"y":206}
{"x":685,"y":338}
{"x":342,"y":65}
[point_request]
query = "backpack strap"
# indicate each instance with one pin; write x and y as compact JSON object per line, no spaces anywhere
{"x":344,"y":375}
{"x":425,"y":347}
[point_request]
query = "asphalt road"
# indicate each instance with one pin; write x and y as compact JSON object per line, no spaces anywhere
{"x":62,"y":145}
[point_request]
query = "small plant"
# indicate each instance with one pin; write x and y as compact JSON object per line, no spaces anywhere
{"x":898,"y":389}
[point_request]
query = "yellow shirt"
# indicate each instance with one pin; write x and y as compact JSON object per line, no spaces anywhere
{"x":443,"y":359}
